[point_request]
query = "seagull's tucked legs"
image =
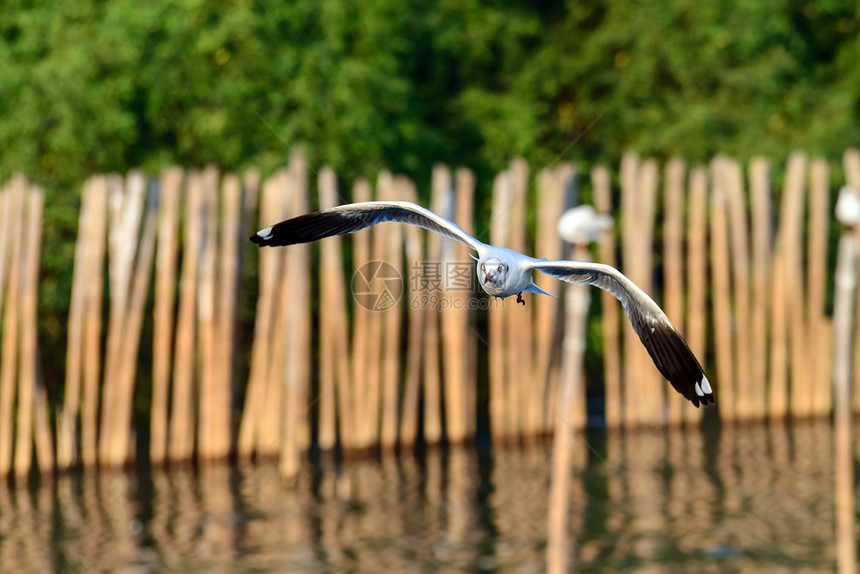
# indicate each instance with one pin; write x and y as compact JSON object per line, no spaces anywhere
{"x":520,"y":299}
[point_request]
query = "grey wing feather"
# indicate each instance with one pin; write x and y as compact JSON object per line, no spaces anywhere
{"x":670,"y":353}
{"x":353,"y":217}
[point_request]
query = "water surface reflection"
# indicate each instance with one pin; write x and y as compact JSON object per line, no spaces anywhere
{"x":753,"y":499}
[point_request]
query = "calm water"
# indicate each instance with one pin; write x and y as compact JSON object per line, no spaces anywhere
{"x":750,"y":499}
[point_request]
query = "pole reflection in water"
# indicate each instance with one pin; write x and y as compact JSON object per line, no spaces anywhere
{"x":752,"y":499}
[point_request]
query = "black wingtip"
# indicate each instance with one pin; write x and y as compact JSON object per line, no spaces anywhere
{"x":256,"y":239}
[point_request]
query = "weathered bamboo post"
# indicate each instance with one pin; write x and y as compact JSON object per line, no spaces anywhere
{"x":440,"y":184}
{"x":181,"y":431}
{"x":373,"y":374}
{"x":629,"y":217}
{"x":295,"y":432}
{"x":119,"y":441}
{"x":820,"y":332}
{"x":390,"y":381}
{"x":722,"y":295}
{"x":848,"y":214}
{"x":759,"y":176}
{"x":206,"y":365}
{"x":792,"y":251}
{"x":454,"y":316}
{"x":92,"y":351}
{"x":272,"y":424}
{"x":525,"y":402}
{"x":851,"y":165}
{"x":614,"y":405}
{"x":225,"y":321}
{"x":9,"y":353}
{"x":361,"y":343}
{"x":165,"y":279}
{"x":673,"y":263}
{"x":554,"y":189}
{"x":738,"y":232}
{"x":416,"y":316}
{"x":68,"y":415}
{"x":465,"y":186}
{"x":697,"y":230}
{"x":126,"y":209}
{"x":335,"y":400}
{"x":250,"y":427}
{"x":499,"y":372}
{"x":27,"y":384}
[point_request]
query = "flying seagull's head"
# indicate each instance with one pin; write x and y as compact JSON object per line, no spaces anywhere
{"x":492,"y":272}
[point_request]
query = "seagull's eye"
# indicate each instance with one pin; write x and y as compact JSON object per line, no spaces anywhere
{"x":483,"y":268}
{"x":500,"y":268}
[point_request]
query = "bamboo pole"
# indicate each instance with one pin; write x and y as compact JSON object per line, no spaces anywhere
{"x":255,"y":397}
{"x":181,"y":431}
{"x":844,"y":325}
{"x":465,"y":186}
{"x":92,"y":352}
{"x":335,"y":402}
{"x":453,"y":327}
{"x":440,"y":184}
{"x":68,"y":413}
{"x":697,"y":230}
{"x":206,"y":352}
{"x":28,"y":270}
{"x":119,"y":440}
{"x":738,"y":233}
{"x":295,"y":432}
{"x":614,"y":405}
{"x":653,"y":411}
{"x":526,"y":403}
{"x":126,"y":205}
{"x":673,"y":263}
{"x":392,"y":316}
{"x":819,"y":329}
{"x":554,"y":189}
{"x":274,"y":401}
{"x":851,"y":165}
{"x":415,"y":322}
{"x":165,"y":279}
{"x":759,"y":176}
{"x":225,"y":321}
{"x":629,"y":217}
{"x":791,"y":228}
{"x":499,"y":374}
{"x":722,"y":296}
{"x":29,"y":335}
{"x":361,"y":343}
{"x":373,"y":354}
{"x":9,"y":352}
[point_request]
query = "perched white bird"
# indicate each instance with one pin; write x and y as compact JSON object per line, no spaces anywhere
{"x":582,"y":224}
{"x":503,"y":272}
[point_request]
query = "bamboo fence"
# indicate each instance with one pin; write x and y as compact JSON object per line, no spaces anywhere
{"x":741,"y":266}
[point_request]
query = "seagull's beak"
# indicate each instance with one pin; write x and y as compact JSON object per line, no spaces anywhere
{"x":487,"y":278}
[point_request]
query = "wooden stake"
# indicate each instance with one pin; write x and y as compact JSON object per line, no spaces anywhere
{"x":441,"y":183}
{"x":820,"y":357}
{"x":722,"y":296}
{"x":206,"y":351}
{"x":673,"y":265}
{"x":614,"y":406}
{"x":9,"y":353}
{"x":181,"y":445}
{"x":501,"y":419}
{"x":361,"y":343}
{"x":392,"y":317}
{"x":165,"y":284}
{"x":92,"y":351}
{"x":697,"y":230}
{"x":759,"y":175}
{"x":415,"y":321}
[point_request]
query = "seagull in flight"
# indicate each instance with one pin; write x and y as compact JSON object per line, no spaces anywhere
{"x":503,"y":272}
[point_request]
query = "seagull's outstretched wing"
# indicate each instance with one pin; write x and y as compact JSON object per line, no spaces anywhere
{"x":667,"y":347}
{"x":353,"y":217}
